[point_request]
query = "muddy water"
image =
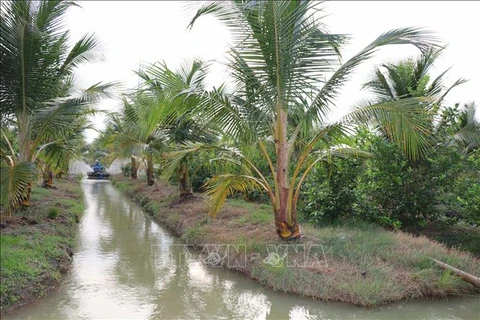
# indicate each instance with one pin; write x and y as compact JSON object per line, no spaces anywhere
{"x":127,"y":267}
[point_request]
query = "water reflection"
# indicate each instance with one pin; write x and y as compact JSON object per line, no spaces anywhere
{"x":127,"y":267}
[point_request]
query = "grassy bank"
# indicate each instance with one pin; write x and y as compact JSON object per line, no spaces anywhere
{"x":463,"y":237}
{"x":362,"y":264}
{"x":36,"y":245}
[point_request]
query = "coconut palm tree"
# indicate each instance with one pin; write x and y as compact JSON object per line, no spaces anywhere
{"x":288,"y":71}
{"x":36,"y":87}
{"x":14,"y":175}
{"x":105,"y":147}
{"x":136,"y":132}
{"x":410,"y":78}
{"x":469,"y":134}
{"x":64,"y":147}
{"x":182,"y":122}
{"x":459,"y":127}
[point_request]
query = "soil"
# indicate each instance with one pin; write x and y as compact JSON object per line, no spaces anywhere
{"x":32,"y":226}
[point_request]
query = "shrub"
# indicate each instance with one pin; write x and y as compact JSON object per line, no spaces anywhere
{"x":394,"y":192}
{"x":327,"y":193}
{"x":467,"y":189}
{"x":53,"y":213}
{"x":127,"y":170}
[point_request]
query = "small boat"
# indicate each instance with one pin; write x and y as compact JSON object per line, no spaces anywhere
{"x":98,"y":175}
{"x":98,"y":172}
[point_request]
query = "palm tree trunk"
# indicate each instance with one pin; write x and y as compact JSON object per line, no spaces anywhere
{"x":24,"y":142}
{"x":24,"y":155}
{"x":285,"y":218}
{"x":133,"y":174}
{"x":150,"y":177}
{"x":26,"y":197}
{"x":47,"y":177}
{"x":184,"y":183}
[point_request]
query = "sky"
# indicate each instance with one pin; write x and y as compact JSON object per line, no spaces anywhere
{"x":136,"y":33}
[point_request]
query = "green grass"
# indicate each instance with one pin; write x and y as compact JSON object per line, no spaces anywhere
{"x":35,"y":256}
{"x":362,"y":264}
{"x":152,"y":207}
{"x":121,"y":185}
{"x":53,"y":213}
{"x":173,"y":220}
{"x":260,"y":216}
{"x":74,"y":206}
{"x":256,"y":216}
{"x":27,"y":258}
{"x":239,"y":203}
{"x":193,"y":235}
{"x":39,"y":193}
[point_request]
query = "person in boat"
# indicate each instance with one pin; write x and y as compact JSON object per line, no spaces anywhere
{"x":98,"y":167}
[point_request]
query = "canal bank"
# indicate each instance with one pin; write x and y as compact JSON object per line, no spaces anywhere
{"x":126,"y":266}
{"x":362,"y":264}
{"x":37,"y":244}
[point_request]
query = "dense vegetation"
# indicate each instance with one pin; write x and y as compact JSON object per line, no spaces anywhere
{"x":37,"y":248}
{"x":43,"y":114}
{"x":270,"y":133}
{"x":395,"y":192}
{"x":358,"y":263}
{"x":401,"y":160}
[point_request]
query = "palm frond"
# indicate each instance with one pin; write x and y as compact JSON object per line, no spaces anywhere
{"x":405,"y":122}
{"x":179,"y":153}
{"x":469,"y":133}
{"x":420,"y":38}
{"x":221,"y":186}
{"x":14,"y":182}
{"x":84,"y":51}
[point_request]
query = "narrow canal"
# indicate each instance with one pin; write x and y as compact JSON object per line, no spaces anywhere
{"x":127,"y":267}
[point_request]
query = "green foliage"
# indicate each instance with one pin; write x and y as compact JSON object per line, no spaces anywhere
{"x":74,"y":206}
{"x":38,"y":99}
{"x":25,"y":258}
{"x":287,"y":74}
{"x":157,"y":171}
{"x":328,"y":191}
{"x":200,"y":170}
{"x":193,"y":235}
{"x":467,"y":187}
{"x":393,"y":191}
{"x":33,"y":257}
{"x":258,"y":160}
{"x":257,"y":216}
{"x":15,"y":178}
{"x":53,"y":213}
{"x":396,"y":192}
{"x":39,"y":193}
{"x":127,"y":170}
{"x":152,"y":207}
{"x":200,"y":177}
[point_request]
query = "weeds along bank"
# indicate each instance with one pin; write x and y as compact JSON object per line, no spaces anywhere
{"x":363,"y":264}
{"x":37,"y":244}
